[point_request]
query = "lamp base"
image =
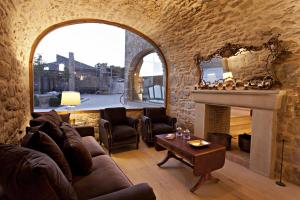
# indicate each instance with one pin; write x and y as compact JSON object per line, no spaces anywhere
{"x":72,"y":121}
{"x":280,"y":183}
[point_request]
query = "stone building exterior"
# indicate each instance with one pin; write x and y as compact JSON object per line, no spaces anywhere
{"x":180,"y":29}
{"x":136,"y":48}
{"x":69,"y":74}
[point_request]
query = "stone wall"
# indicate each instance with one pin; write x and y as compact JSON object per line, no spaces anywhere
{"x":136,"y":48}
{"x":14,"y":90}
{"x":181,"y":28}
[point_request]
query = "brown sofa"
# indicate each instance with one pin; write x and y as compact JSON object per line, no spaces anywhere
{"x":29,"y":174}
{"x":111,"y":185}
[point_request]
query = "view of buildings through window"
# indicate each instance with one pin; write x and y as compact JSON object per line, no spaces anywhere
{"x":95,"y":60}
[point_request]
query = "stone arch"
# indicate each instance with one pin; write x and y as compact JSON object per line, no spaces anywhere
{"x":80,"y":21}
{"x":134,"y":66}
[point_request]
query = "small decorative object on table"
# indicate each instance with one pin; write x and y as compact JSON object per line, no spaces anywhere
{"x":178,"y":131}
{"x":198,"y":143}
{"x":186,"y":134}
{"x":170,"y":136}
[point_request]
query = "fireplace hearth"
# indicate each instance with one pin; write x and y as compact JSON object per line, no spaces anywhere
{"x":212,"y":114}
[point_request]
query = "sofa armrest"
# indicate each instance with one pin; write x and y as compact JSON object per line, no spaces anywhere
{"x":85,"y":130}
{"x":139,"y":191}
{"x":171,"y":121}
{"x":133,"y":122}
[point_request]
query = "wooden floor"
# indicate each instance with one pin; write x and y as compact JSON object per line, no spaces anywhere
{"x":173,"y":181}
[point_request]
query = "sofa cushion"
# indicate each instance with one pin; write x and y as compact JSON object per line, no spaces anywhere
{"x":28,"y":174}
{"x":93,"y":146}
{"x":42,"y":142}
{"x":50,"y":129}
{"x":121,"y":132}
{"x":51,"y":116}
{"x":161,"y":128}
{"x":77,"y":155}
{"x":106,"y":177}
{"x":115,"y":116}
{"x":156,"y":114}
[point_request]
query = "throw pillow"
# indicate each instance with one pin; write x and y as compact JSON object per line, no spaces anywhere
{"x":51,"y":116}
{"x":49,"y":128}
{"x":29,"y":174}
{"x":64,"y":117}
{"x":79,"y":158}
{"x":42,"y":142}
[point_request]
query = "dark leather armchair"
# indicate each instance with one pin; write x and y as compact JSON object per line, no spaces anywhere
{"x":117,"y":130}
{"x":154,"y":122}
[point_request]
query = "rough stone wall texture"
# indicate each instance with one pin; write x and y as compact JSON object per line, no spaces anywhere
{"x":181,"y":28}
{"x":136,"y":48}
{"x":14,"y":90}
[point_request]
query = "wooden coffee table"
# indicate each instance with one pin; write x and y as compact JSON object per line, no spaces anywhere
{"x":202,"y":160}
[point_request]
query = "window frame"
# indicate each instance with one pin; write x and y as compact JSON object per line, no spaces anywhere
{"x":97,"y":21}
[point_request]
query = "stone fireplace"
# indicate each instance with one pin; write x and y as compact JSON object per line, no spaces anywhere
{"x":213,"y":115}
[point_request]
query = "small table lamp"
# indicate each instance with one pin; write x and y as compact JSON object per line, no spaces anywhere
{"x":70,"y":99}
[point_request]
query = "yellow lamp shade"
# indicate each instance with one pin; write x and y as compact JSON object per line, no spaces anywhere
{"x":227,"y":75}
{"x":70,"y":98}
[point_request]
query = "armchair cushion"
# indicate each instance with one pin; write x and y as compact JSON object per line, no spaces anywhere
{"x":121,"y":132}
{"x":156,"y":114}
{"x":79,"y":158}
{"x":115,"y":116}
{"x":161,"y":128}
{"x":42,"y":142}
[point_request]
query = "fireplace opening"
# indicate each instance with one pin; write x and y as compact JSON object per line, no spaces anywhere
{"x":240,"y":130}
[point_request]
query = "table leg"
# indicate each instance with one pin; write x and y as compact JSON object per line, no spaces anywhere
{"x":168,"y":156}
{"x":202,"y":179}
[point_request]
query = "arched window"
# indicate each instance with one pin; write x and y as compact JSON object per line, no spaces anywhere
{"x":152,"y":82}
{"x":95,"y":60}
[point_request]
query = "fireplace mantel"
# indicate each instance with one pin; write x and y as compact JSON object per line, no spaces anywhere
{"x":260,"y":99}
{"x":264,"y":104}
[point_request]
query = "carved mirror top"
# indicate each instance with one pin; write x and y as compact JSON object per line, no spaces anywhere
{"x":242,"y":66}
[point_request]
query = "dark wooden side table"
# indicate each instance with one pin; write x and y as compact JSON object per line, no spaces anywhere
{"x":202,"y":160}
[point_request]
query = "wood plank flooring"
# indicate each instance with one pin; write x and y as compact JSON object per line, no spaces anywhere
{"x":173,"y":180}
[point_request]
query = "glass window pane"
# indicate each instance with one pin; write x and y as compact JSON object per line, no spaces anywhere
{"x":89,"y":58}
